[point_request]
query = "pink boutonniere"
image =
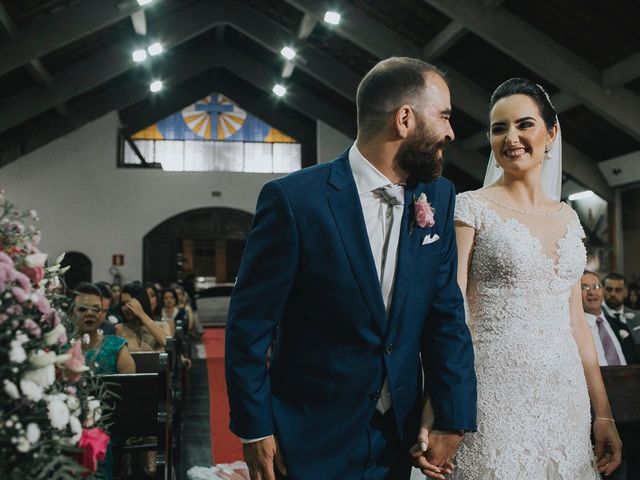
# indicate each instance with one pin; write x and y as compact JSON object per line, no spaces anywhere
{"x":423,"y":212}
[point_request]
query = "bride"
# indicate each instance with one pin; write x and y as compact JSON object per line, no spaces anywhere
{"x":520,"y":260}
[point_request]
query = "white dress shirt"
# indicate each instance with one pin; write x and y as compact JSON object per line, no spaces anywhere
{"x":591,"y":320}
{"x":377,"y":215}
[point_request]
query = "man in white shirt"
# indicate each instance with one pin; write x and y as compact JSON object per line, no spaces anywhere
{"x":354,"y":262}
{"x":624,"y":322}
{"x":607,"y":344}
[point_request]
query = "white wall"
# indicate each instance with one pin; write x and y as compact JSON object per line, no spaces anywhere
{"x":88,"y":205}
{"x":331,"y":143}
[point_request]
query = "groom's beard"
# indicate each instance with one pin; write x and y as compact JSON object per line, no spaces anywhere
{"x":421,"y":156}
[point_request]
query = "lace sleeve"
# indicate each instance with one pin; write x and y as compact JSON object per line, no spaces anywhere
{"x":575,"y":220}
{"x":466,"y":210}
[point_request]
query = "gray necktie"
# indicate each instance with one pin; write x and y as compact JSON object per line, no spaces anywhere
{"x":393,"y":195}
{"x":391,"y":218}
{"x":609,"y":348}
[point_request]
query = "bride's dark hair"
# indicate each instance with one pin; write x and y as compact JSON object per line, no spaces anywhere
{"x":522,"y":86}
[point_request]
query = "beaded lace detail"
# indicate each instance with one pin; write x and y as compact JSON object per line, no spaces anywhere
{"x":533,"y":407}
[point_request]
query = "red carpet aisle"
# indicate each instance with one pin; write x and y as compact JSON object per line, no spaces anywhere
{"x":225,"y":446}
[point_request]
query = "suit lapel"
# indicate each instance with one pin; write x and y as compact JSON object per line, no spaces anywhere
{"x":347,"y":213}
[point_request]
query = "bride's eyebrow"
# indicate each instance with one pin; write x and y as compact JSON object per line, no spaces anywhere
{"x":525,"y":118}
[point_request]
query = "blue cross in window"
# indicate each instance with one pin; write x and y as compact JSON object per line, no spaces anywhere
{"x":214,"y":108}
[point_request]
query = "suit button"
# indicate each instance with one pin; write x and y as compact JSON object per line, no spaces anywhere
{"x":375,"y":395}
{"x":389,"y":349}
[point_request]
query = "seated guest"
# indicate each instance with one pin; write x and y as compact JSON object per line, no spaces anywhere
{"x":633,"y":300}
{"x":183,"y":302}
{"x":105,"y":354}
{"x":624,"y":321}
{"x":138,"y":328}
{"x":152,"y":293}
{"x":607,"y":345}
{"x":171,"y":311}
{"x":107,"y":321}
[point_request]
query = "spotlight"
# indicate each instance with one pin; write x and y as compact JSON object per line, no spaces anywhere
{"x":581,"y":195}
{"x":156,"y":86}
{"x":155,"y":49}
{"x":139,"y":55}
{"x":332,"y":18}
{"x":142,"y":3}
{"x":279,"y":90}
{"x":288,"y":53}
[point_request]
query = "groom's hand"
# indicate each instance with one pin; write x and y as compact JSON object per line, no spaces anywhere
{"x":261,"y":456}
{"x":441,"y":448}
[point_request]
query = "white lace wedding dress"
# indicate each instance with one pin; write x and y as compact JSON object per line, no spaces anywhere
{"x":533,"y":409}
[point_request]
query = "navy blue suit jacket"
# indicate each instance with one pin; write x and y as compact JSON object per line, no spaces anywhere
{"x":308,"y":270}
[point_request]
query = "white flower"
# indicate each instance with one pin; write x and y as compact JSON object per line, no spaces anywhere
{"x":59,"y":259}
{"x":33,"y":433}
{"x":629,"y":316}
{"x":11,"y":390}
{"x":31,"y":390}
{"x":41,"y":358}
{"x":52,"y":337}
{"x":23,"y":445}
{"x":16,"y":352}
{"x":86,"y":339}
{"x":94,"y":413}
{"x":74,"y":404}
{"x":623,"y":334}
{"x":76,"y":429}
{"x":58,"y":414}
{"x":21,"y":337}
{"x":45,"y":376}
{"x":35,"y":260}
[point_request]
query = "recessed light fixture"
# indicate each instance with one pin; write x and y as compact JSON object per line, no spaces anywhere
{"x":332,"y":18}
{"x":581,"y":195}
{"x":139,"y":55}
{"x":155,"y":49}
{"x":288,"y":53}
{"x":156,"y":86}
{"x":279,"y":90}
{"x":142,"y":3}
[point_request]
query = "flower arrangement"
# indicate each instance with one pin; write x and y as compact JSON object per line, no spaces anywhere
{"x":51,"y":411}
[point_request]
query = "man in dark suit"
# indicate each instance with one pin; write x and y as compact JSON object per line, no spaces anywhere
{"x":355,"y":262}
{"x":624,"y":321}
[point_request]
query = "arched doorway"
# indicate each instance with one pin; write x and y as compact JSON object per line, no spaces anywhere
{"x":206,"y":242}
{"x":79,"y":271}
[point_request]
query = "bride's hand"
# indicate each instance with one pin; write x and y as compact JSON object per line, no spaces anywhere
{"x":608,"y":448}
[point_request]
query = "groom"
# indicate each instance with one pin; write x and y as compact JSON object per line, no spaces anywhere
{"x":354,"y":274}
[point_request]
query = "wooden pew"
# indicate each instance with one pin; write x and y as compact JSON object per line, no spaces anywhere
{"x":143,"y":410}
{"x":146,"y":362}
{"x":623,"y":389}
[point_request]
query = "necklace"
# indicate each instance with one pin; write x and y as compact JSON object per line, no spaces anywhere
{"x":524,"y":212}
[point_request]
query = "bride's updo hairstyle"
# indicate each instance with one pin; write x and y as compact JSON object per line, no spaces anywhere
{"x":522,"y":86}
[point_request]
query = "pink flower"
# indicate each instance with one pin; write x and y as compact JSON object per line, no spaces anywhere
{"x":32,"y":327}
{"x":75,"y":366}
{"x":23,"y":280}
{"x":4,"y":258}
{"x":423,"y":212}
{"x":20,"y":295}
{"x":36,"y":274}
{"x":42,"y":303}
{"x":93,"y":443}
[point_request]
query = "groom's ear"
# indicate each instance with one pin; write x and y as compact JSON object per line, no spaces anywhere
{"x":404,"y":120}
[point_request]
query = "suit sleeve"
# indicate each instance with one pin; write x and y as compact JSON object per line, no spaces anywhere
{"x":266,"y":274}
{"x":447,"y":351}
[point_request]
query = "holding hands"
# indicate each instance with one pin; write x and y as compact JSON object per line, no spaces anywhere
{"x":608,"y":447}
{"x":261,"y":457}
{"x":434,"y":451}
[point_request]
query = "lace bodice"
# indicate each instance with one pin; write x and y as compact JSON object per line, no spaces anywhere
{"x":533,"y":407}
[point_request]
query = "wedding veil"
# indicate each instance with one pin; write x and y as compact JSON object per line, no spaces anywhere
{"x":551,"y":169}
